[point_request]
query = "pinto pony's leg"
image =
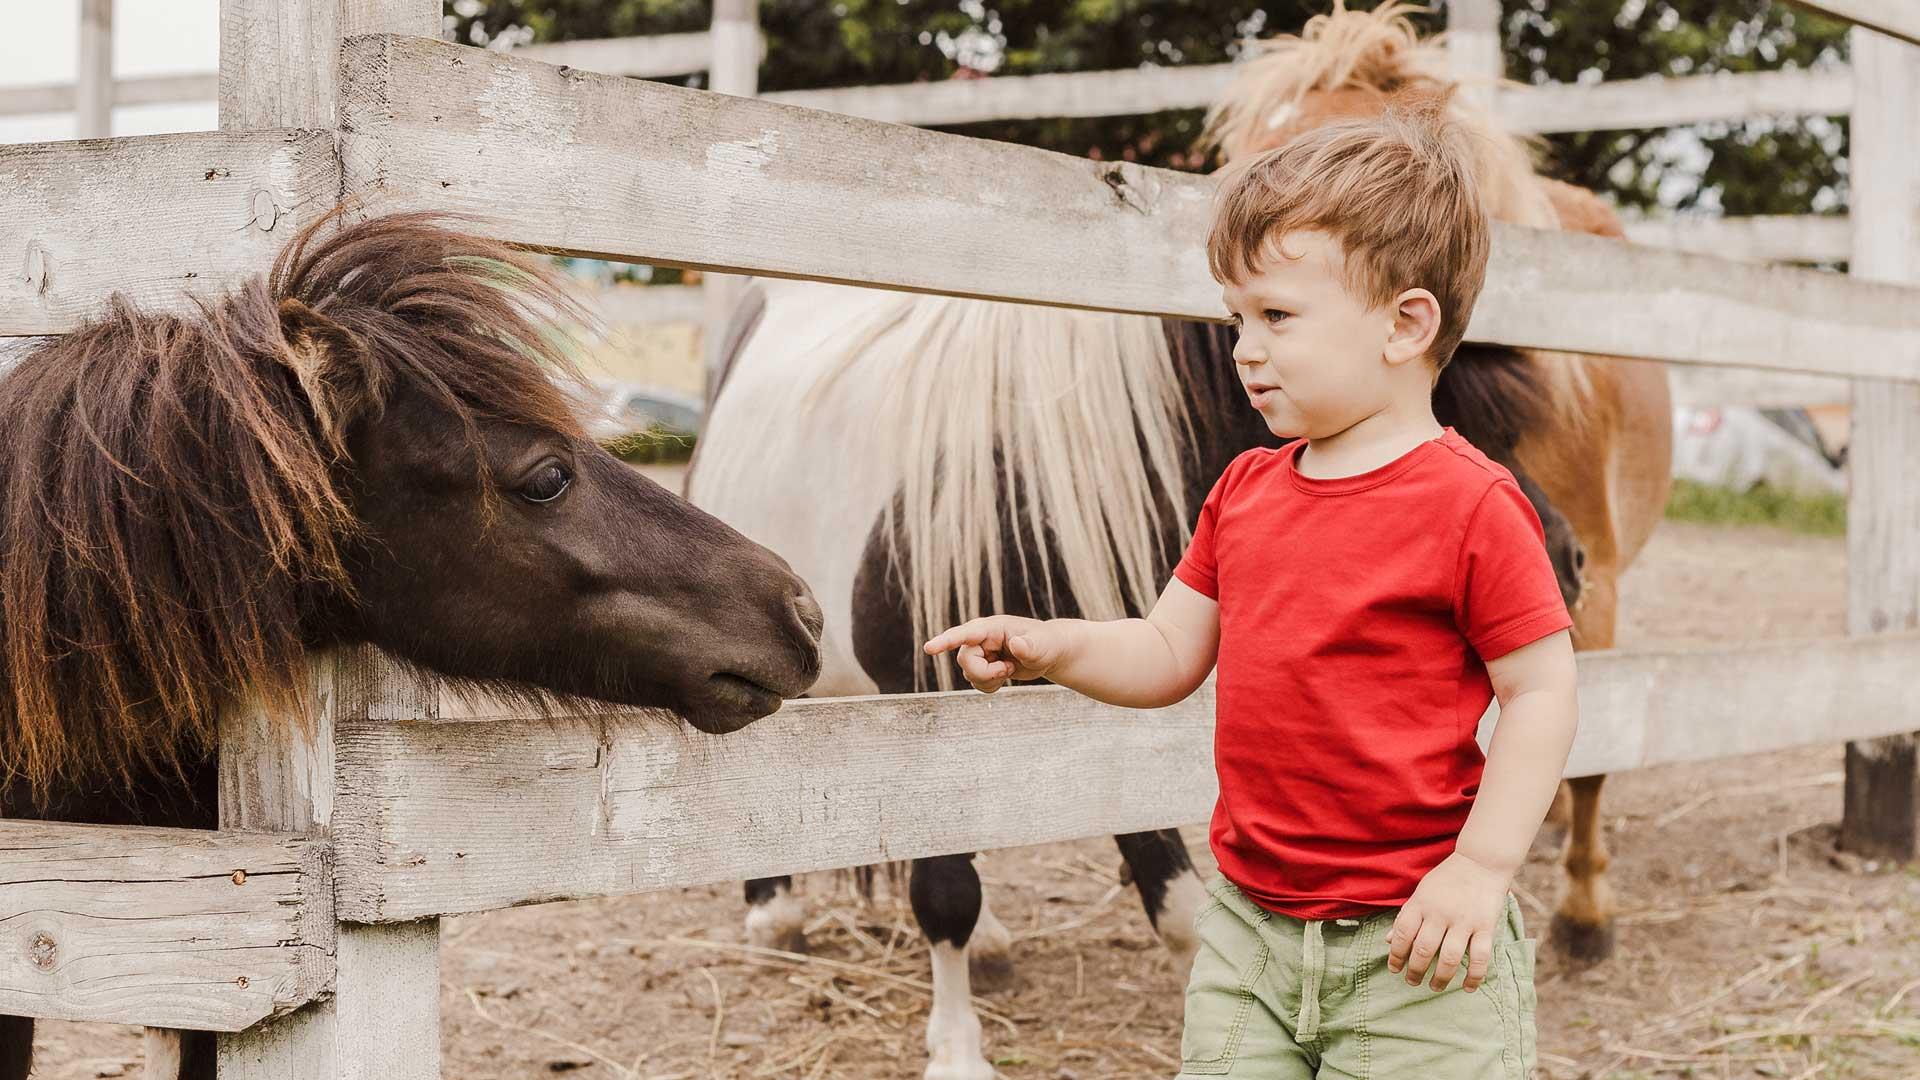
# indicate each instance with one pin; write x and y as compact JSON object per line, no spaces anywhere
{"x":163,"y":1057}
{"x":989,"y":951}
{"x":1170,"y":889}
{"x":775,"y":920}
{"x":16,"y":1047}
{"x":945,"y":891}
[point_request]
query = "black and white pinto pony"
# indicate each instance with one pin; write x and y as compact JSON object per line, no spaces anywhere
{"x":922,"y":460}
{"x":1032,"y":461}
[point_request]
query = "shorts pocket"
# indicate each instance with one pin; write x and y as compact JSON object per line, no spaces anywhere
{"x":1220,"y":996}
{"x":1520,"y":958}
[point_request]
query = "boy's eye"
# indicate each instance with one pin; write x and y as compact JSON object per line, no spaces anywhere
{"x":1273,"y":316}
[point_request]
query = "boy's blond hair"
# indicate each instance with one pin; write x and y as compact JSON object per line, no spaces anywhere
{"x":1397,"y":192}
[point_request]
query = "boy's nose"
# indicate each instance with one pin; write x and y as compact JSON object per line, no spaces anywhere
{"x":1243,"y":353}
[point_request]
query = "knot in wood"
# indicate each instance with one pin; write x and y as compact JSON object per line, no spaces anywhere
{"x":42,"y":950}
{"x":265,"y":214}
{"x":38,"y":279}
{"x":241,"y":982}
{"x":239,"y":877}
{"x":1126,"y":185}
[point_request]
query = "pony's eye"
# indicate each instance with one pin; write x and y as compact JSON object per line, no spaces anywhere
{"x":548,"y":483}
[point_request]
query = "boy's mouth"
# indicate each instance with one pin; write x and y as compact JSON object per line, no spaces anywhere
{"x":1258,"y":393}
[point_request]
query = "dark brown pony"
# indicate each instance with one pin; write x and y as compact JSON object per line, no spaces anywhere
{"x":369,"y":445}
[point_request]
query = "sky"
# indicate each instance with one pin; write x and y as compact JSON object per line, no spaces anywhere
{"x":150,"y":37}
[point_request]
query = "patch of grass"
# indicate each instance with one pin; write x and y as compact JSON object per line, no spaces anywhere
{"x":655,"y":446}
{"x":1817,"y":515}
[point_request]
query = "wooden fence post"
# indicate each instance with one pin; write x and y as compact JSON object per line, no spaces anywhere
{"x":1473,"y":48}
{"x":93,"y":89}
{"x":279,"y":67}
{"x":1883,"y":503}
{"x":734,"y":69}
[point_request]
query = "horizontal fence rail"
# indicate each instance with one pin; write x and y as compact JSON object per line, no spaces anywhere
{"x":614,"y":168}
{"x":646,"y":57}
{"x":1528,"y":110}
{"x":157,"y":218}
{"x":147,"y":90}
{"x":437,"y":817}
{"x":167,"y":927}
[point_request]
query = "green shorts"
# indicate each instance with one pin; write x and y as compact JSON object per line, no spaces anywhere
{"x":1281,"y":999}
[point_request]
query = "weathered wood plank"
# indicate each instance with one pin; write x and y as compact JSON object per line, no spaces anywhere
{"x":93,"y":89}
{"x":279,"y":772}
{"x":1882,"y":804}
{"x":1078,"y":94}
{"x":1771,"y":238}
{"x":1708,"y":387}
{"x":1663,"y":102}
{"x":279,"y":61}
{"x":642,"y":57}
{"x":470,"y":815}
{"x":68,"y":238}
{"x":167,"y":927}
{"x":1473,"y":47}
{"x":1899,"y":18}
{"x":1529,"y":110}
{"x":615,"y":168}
{"x":145,"y":90}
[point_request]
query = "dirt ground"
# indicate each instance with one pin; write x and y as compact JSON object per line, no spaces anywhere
{"x":1747,"y":948}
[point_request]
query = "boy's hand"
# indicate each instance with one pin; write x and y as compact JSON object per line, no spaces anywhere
{"x":1452,"y":914}
{"x":998,"y":649}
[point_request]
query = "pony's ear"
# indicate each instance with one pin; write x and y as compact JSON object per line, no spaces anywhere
{"x":305,"y":329}
{"x":327,"y":360}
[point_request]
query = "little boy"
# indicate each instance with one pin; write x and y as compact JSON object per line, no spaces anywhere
{"x":1365,"y":592}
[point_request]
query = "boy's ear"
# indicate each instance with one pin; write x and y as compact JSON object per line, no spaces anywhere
{"x":1416,"y":322}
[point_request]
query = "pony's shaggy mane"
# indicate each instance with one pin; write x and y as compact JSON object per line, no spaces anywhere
{"x":175,"y":508}
{"x":1380,"y":53}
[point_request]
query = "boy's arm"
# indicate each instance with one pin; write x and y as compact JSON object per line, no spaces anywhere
{"x":1136,"y":663}
{"x":1536,"y":686}
{"x":1456,"y":907}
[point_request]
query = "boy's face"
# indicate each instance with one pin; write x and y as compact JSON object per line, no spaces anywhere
{"x":1311,"y":353}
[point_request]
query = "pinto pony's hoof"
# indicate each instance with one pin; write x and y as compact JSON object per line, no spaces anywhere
{"x":1582,"y":942}
{"x":780,"y":923}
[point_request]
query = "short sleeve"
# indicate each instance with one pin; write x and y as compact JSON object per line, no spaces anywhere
{"x":1198,"y":567}
{"x":1507,"y":595}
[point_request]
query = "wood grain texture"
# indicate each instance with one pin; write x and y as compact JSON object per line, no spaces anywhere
{"x":279,"y":772}
{"x":158,"y":218}
{"x":472,"y":814}
{"x":615,"y":168}
{"x":166,"y":927}
{"x":279,"y":60}
{"x":642,"y":57}
{"x":1526,"y":110}
{"x":1811,"y":238}
{"x":1882,"y":809}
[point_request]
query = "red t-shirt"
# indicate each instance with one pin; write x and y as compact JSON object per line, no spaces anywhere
{"x":1356,"y":616}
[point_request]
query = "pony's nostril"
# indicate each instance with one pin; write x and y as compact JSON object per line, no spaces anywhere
{"x":807,"y":610}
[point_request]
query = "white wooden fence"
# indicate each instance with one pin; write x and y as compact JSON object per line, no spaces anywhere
{"x":309,"y":920}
